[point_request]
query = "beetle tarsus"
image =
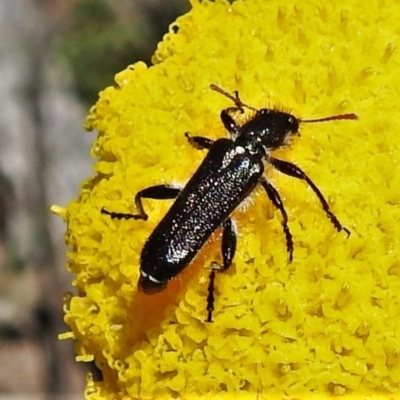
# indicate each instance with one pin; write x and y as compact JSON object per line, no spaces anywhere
{"x":211,"y":287}
{"x":117,"y":215}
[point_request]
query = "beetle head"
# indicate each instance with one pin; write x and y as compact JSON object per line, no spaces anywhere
{"x":271,"y":127}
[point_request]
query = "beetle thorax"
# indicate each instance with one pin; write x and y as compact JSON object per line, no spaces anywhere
{"x":268,"y":128}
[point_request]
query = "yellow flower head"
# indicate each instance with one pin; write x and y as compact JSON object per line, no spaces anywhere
{"x":328,"y":322}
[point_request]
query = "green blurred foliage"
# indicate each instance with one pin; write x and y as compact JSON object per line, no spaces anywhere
{"x":102,"y":39}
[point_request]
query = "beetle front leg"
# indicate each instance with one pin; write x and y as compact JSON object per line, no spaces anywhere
{"x":158,"y":192}
{"x":230,"y":124}
{"x":278,"y":203}
{"x":226,"y":115}
{"x":228,"y":247}
{"x":294,"y":171}
{"x":199,"y":142}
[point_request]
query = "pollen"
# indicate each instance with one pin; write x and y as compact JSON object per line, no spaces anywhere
{"x":325,"y":324}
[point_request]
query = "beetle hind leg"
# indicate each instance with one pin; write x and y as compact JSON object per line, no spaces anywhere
{"x":228,"y":248}
{"x":211,"y":285}
{"x":278,"y":203}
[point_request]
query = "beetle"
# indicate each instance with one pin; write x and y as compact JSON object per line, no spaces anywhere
{"x":229,"y":173}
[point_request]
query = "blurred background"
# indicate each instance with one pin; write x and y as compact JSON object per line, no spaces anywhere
{"x":55,"y":56}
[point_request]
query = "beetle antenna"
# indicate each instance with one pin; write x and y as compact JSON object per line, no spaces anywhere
{"x":332,"y":118}
{"x":235,"y":97}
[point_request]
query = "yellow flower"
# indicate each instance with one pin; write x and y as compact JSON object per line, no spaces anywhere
{"x":326,"y":324}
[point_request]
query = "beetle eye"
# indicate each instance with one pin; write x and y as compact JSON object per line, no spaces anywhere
{"x":293,"y":123}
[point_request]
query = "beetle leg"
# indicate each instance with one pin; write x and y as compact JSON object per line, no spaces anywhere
{"x":228,"y":248}
{"x":210,"y":297}
{"x":294,"y":171}
{"x":226,"y":115}
{"x":228,"y":245}
{"x":278,"y":203}
{"x":158,"y":192}
{"x":230,"y":124}
{"x":199,"y":142}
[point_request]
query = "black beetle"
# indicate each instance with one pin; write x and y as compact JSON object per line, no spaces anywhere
{"x":229,"y":173}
